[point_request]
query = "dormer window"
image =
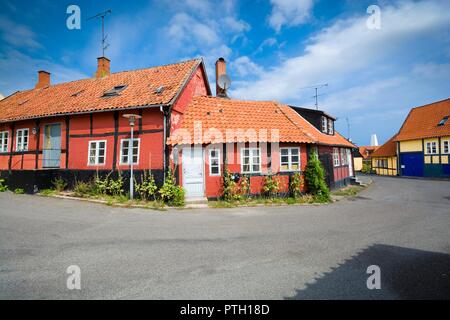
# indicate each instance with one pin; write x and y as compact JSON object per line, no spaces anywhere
{"x":443,"y":121}
{"x":324,"y":124}
{"x":330,"y":127}
{"x":114,"y":91}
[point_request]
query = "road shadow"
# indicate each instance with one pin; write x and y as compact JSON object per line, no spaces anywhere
{"x":405,"y":274}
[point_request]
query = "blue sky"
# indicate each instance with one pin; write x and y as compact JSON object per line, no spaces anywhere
{"x":274,"y":50}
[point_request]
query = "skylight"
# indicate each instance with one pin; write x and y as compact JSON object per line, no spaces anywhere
{"x":114,"y":91}
{"x":443,"y":121}
{"x":159,"y":90}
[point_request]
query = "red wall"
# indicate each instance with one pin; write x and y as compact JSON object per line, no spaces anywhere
{"x":340,"y":172}
{"x":214,"y":184}
{"x":103,"y":126}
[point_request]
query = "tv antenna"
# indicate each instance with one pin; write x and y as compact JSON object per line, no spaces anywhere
{"x":224,"y":82}
{"x":348,"y":128}
{"x":317,"y":95}
{"x":102,"y":15}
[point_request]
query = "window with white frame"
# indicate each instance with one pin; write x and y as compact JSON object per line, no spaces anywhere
{"x":431,"y":147}
{"x":125,"y":145}
{"x":97,"y":153}
{"x":344,"y":157}
{"x":324,"y":124}
{"x":4,"y":136}
{"x":289,"y":159}
{"x":446,"y":146}
{"x":22,"y":139}
{"x":336,"y":162}
{"x":251,"y":160}
{"x":330,"y":126}
{"x":214,"y":162}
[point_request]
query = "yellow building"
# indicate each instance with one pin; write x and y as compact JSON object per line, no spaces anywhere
{"x":424,"y":141}
{"x":384,"y":159}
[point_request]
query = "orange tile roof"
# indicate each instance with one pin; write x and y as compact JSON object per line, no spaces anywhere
{"x":388,"y":149}
{"x":422,"y":122}
{"x":85,"y":95}
{"x":241,"y":116}
{"x":366,"y":151}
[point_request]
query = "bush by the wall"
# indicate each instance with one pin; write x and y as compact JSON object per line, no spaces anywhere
{"x":147,"y":187}
{"x":296,"y":185}
{"x":171,"y":193}
{"x":270,"y":186}
{"x":315,"y":179}
{"x":3,"y":187}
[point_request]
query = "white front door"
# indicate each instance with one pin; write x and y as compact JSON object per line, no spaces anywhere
{"x":193,"y":172}
{"x":350,"y":163}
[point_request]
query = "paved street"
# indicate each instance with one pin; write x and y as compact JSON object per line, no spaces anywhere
{"x":295,"y":252}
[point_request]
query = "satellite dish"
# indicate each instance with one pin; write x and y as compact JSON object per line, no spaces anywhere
{"x":224,"y":82}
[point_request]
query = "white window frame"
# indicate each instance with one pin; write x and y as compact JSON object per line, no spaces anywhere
{"x":344,"y":156}
{"x":97,"y":153}
{"x":330,"y":126}
{"x":217,"y":150}
{"x":251,"y":160}
{"x":431,"y":144}
{"x":336,"y":160}
{"x":324,"y":124}
{"x":448,"y":146}
{"x":290,"y":163}
{"x":20,"y":146}
{"x":138,"y":152}
{"x":4,"y":146}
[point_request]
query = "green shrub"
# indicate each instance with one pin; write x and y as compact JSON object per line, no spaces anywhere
{"x":59,"y":184}
{"x":270,"y":186}
{"x":83,"y":189}
{"x":315,"y":179}
{"x":147,"y":188}
{"x":3,"y":187}
{"x":244,"y":186}
{"x":108,"y":186}
{"x":229,"y":186}
{"x":47,"y":192}
{"x":367,"y":168}
{"x":115,"y":187}
{"x":172,"y":194}
{"x":19,"y":191}
{"x":296,"y":185}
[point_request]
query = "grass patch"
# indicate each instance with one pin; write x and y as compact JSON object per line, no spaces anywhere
{"x":19,"y":191}
{"x":348,"y":191}
{"x":47,"y":192}
{"x":249,"y":202}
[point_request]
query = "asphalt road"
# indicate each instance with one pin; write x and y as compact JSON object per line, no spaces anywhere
{"x":295,"y":252}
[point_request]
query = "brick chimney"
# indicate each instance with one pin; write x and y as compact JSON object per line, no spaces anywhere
{"x":102,"y":67}
{"x":221,"y":68}
{"x":43,"y":79}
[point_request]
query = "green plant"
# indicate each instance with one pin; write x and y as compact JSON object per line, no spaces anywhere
{"x":115,"y":187}
{"x":296,"y":185}
{"x":147,"y":188}
{"x":47,"y":192}
{"x":3,"y":187}
{"x":83,"y":189}
{"x":244,"y":186}
{"x":270,"y":186}
{"x":315,"y":179}
{"x":367,"y":168}
{"x":229,"y":186}
{"x":59,"y":184}
{"x":171,"y":193}
{"x":101,"y":185}
{"x":19,"y":191}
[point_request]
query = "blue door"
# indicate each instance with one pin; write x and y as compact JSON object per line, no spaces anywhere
{"x":412,"y":164}
{"x":52,"y":146}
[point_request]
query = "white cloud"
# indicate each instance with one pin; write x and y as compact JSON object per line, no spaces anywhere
{"x":244,"y":66}
{"x":368,"y":70}
{"x":18,"y":68}
{"x":17,"y":35}
{"x":289,"y":12}
{"x":267,"y":43}
{"x":231,"y":24}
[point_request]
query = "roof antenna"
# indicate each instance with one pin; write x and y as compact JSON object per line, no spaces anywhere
{"x":348,"y":128}
{"x":318,"y":95}
{"x":102,"y":16}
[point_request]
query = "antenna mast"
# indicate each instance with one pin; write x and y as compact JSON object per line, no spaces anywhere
{"x":102,"y":16}
{"x":316,"y":96}
{"x":348,"y":128}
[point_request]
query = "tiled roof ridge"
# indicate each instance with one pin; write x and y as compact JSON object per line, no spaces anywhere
{"x":95,"y":79}
{"x":429,"y":104}
{"x":278,"y":105}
